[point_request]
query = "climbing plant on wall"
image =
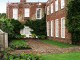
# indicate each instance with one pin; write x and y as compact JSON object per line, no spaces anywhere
{"x":73,"y":20}
{"x":38,"y":26}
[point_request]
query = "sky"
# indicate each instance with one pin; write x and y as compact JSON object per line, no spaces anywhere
{"x":4,"y":2}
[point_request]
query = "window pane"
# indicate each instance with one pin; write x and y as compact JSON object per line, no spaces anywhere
{"x":52,"y":28}
{"x":15,"y":13}
{"x":63,"y":27}
{"x":38,"y":13}
{"x":57,"y":28}
{"x":27,"y":12}
{"x":52,"y":8}
{"x":62,"y":4}
{"x":56,"y":5}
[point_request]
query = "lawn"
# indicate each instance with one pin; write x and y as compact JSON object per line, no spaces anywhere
{"x":67,"y":56}
{"x":59,"y":44}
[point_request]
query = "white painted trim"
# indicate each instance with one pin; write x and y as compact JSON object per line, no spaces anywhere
{"x":56,"y":5}
{"x":62,"y":4}
{"x":52,"y":28}
{"x":63,"y":27}
{"x":57,"y":28}
{"x":15,"y":13}
{"x":40,"y":13}
{"x":47,"y":28}
{"x":52,"y":8}
{"x":26,"y":12}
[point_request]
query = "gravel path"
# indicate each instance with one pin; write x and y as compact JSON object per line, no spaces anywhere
{"x":43,"y":48}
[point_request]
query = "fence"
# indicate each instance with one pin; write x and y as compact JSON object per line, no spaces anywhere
{"x":3,"y":40}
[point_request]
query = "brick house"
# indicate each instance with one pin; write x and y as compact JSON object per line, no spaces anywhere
{"x":55,"y":16}
{"x":23,"y":11}
{"x":56,"y":20}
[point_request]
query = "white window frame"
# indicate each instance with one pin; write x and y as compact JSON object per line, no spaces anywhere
{"x":63,"y":27}
{"x":40,"y":13}
{"x":57,"y":28}
{"x":47,"y":28}
{"x":62,"y":4}
{"x":15,"y":13}
{"x":52,"y":28}
{"x":26,"y":12}
{"x":56,"y":5}
{"x":47,"y":10}
{"x":52,"y":8}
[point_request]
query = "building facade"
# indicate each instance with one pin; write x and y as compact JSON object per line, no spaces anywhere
{"x":56,"y":13}
{"x":56,"y":21}
{"x":24,"y":10}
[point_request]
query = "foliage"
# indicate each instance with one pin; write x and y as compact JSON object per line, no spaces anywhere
{"x":19,"y":44}
{"x":38,"y":26}
{"x":2,"y":15}
{"x":6,"y":26}
{"x":33,"y":35}
{"x":11,"y":26}
{"x":42,"y":37}
{"x":73,"y":20}
{"x":56,"y":43}
{"x":21,"y":57}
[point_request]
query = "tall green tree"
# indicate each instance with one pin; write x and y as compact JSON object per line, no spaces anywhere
{"x":73,"y":20}
{"x":11,"y":26}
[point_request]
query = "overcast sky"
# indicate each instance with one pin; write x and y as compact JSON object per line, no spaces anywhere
{"x":3,"y":4}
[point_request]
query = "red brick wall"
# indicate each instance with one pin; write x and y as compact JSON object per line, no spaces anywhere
{"x":58,"y":15}
{"x":21,"y":6}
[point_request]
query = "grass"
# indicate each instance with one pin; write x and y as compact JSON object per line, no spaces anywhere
{"x":59,"y":44}
{"x":67,"y":56}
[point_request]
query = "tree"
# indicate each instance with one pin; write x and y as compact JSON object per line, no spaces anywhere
{"x":11,"y":26}
{"x":73,"y":20}
{"x":2,"y":15}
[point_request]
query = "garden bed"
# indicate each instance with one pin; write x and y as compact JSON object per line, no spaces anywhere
{"x":19,"y":45}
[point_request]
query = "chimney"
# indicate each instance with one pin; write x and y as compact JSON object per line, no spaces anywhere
{"x":23,"y":1}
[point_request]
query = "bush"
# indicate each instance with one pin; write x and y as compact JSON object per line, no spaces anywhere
{"x":21,"y":57}
{"x":42,"y":37}
{"x":33,"y":35}
{"x":19,"y":44}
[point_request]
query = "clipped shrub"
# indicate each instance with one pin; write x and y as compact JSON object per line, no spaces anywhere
{"x":19,"y":44}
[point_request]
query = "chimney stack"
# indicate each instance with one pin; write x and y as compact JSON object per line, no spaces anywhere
{"x":23,"y":1}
